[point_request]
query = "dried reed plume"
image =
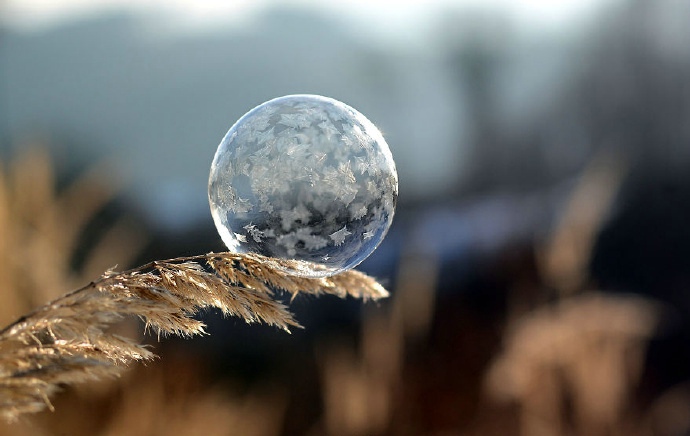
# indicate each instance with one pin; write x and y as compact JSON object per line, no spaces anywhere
{"x":66,"y":341}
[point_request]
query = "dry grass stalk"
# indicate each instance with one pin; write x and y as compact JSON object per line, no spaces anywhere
{"x":360,"y":386}
{"x":66,"y":341}
{"x":173,"y":400}
{"x":582,"y":356}
{"x":565,"y":257}
{"x":40,"y":222}
{"x":572,"y":366}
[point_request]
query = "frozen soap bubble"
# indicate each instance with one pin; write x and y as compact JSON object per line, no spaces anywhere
{"x":306,"y":178}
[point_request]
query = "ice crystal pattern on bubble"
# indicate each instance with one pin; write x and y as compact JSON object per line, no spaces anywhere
{"x":304,"y":177}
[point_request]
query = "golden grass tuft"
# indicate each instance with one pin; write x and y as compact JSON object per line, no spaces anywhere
{"x":66,"y":341}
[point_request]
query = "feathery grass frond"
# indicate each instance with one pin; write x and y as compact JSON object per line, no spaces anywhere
{"x":67,"y":341}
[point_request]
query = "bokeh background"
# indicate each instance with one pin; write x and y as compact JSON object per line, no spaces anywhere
{"x":538,"y":260}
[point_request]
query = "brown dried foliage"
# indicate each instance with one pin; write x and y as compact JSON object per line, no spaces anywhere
{"x":40,"y":222}
{"x":573,"y":366}
{"x":66,"y":341}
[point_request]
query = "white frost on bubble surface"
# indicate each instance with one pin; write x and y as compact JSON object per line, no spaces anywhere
{"x":307,"y":178}
{"x":339,"y":236}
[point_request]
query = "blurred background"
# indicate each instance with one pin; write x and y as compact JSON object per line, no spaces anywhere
{"x":538,"y":260}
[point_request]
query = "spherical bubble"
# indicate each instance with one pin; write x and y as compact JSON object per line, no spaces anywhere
{"x":306,"y":178}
